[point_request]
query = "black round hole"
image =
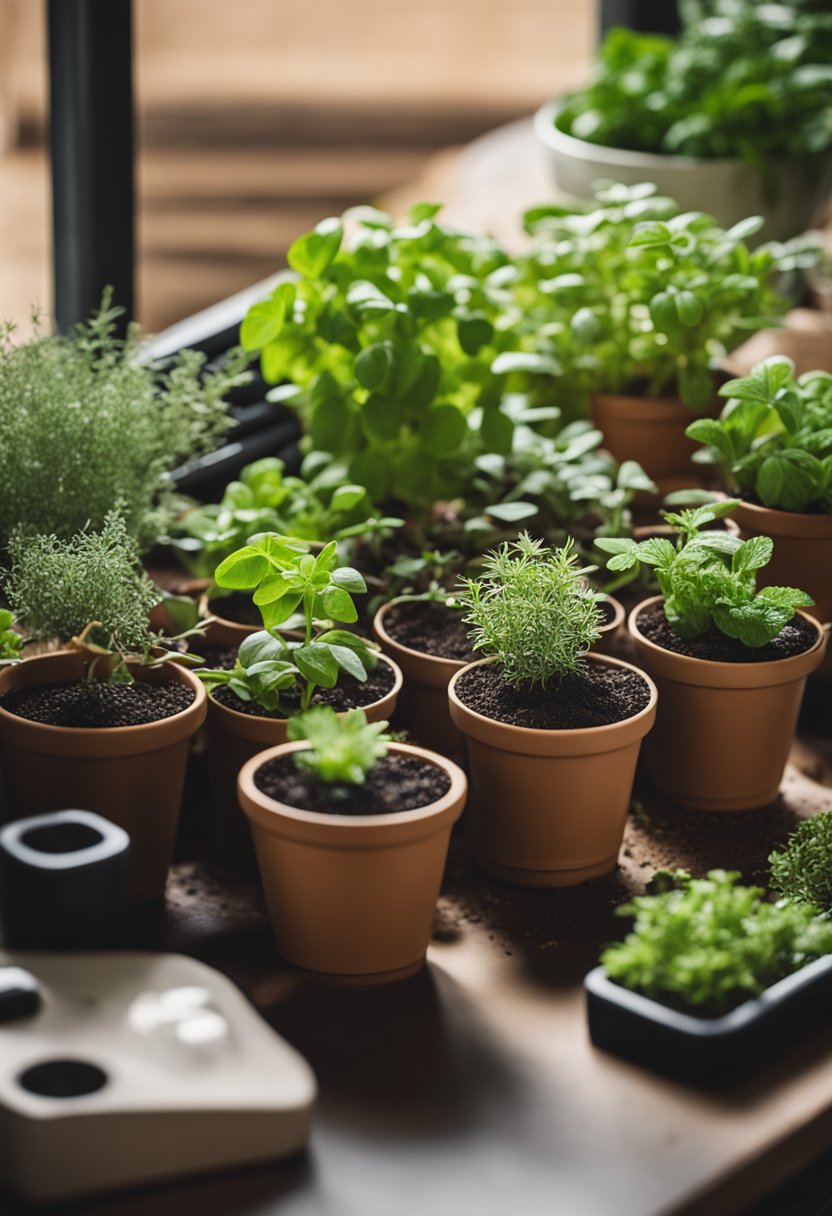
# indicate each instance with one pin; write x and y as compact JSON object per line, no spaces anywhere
{"x":62,"y":838}
{"x":63,"y":1079}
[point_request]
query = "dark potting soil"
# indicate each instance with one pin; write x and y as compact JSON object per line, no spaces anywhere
{"x":87,"y":704}
{"x":607,"y":612}
{"x":237,"y":607}
{"x":431,"y":629}
{"x":394,"y":783}
{"x":217,"y":658}
{"x":349,"y":693}
{"x":599,"y":697}
{"x":795,"y":638}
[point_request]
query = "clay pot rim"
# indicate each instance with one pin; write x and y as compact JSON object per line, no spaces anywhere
{"x":690,"y":664}
{"x":807,"y":525}
{"x":235,"y":715}
{"x":205,"y":611}
{"x":618,"y":613}
{"x":536,"y":734}
{"x":434,"y":661}
{"x":269,"y":813}
{"x":48,"y":730}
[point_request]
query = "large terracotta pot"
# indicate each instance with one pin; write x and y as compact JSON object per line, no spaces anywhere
{"x":650,"y":430}
{"x":132,"y":775}
{"x":352,"y":895}
{"x":802,"y":551}
{"x":723,"y":730}
{"x":424,"y":709}
{"x":549,"y":806}
{"x":234,"y":737}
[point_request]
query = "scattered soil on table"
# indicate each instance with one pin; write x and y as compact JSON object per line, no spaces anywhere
{"x":237,"y":607}
{"x":394,"y":783}
{"x":432,"y":629}
{"x":81,"y":703}
{"x":348,"y":693}
{"x":795,"y":638}
{"x":600,"y":697}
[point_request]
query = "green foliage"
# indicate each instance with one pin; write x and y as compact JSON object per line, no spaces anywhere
{"x":289,"y":583}
{"x":398,"y":343}
{"x":710,"y":578}
{"x":84,"y":423}
{"x":533,"y":609}
{"x":11,"y":642}
{"x":708,"y":944}
{"x":743,"y":80}
{"x":773,"y":439}
{"x":635,"y":297}
{"x":802,"y":871}
{"x":342,"y":750}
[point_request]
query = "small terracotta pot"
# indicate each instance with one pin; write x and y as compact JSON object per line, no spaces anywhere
{"x":723,"y":730}
{"x":224,"y":633}
{"x":234,"y":737}
{"x":607,"y":642}
{"x":424,"y":711}
{"x":650,"y":430}
{"x":549,"y":806}
{"x":352,"y":895}
{"x":802,"y":551}
{"x":132,"y":775}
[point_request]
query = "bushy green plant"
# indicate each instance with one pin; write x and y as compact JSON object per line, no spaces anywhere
{"x":773,"y":439}
{"x":708,"y":944}
{"x":11,"y":642}
{"x":802,"y":870}
{"x":710,"y":578}
{"x":634,"y":297}
{"x":342,"y":750}
{"x":399,"y":341}
{"x":85,"y":423}
{"x":743,"y":80}
{"x":532,"y":609}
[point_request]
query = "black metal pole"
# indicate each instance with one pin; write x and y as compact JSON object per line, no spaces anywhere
{"x":91,"y":109}
{"x":655,"y":16}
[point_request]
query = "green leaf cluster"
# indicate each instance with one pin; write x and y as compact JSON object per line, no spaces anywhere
{"x":710,"y":578}
{"x":342,"y":750}
{"x":802,"y":871}
{"x":11,"y":642}
{"x":742,"y":80}
{"x":533,"y":609}
{"x":708,"y":944}
{"x":773,"y":438}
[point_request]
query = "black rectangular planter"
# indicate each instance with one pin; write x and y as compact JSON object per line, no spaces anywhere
{"x":711,"y":1052}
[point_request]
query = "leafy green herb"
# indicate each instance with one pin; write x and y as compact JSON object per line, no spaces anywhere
{"x":709,"y":578}
{"x":11,"y":642}
{"x":708,"y":944}
{"x":533,"y":609}
{"x":342,"y":750}
{"x":773,"y":439}
{"x":802,"y":871}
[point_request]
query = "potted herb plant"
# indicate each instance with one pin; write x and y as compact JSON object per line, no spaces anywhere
{"x":104,"y":725}
{"x":351,"y":832}
{"x":730,"y":662}
{"x":553,"y":733}
{"x":712,"y":979}
{"x":773,"y":444}
{"x":649,"y":299}
{"x":730,"y":117}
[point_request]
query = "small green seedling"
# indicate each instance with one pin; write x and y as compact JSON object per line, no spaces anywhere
{"x":342,"y":750}
{"x":802,"y":870}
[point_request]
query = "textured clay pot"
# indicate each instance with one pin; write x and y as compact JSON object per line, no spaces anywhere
{"x":723,"y":730}
{"x":650,"y":430}
{"x":549,"y":806}
{"x":234,"y":737}
{"x":132,"y":775}
{"x":802,"y":551}
{"x":424,"y":711}
{"x":352,"y":895}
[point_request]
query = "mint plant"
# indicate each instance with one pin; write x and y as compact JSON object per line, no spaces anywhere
{"x":802,"y":870}
{"x":708,"y":944}
{"x":342,"y":750}
{"x":533,"y":609}
{"x":773,"y":439}
{"x":708,"y":579}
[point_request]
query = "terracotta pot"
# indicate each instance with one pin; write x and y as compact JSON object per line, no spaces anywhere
{"x":234,"y":737}
{"x":132,"y":775}
{"x":802,"y":551}
{"x":607,"y":642}
{"x":549,"y":806}
{"x":723,"y":730}
{"x":650,"y":430}
{"x":224,"y":633}
{"x":424,"y":710}
{"x":352,"y":895}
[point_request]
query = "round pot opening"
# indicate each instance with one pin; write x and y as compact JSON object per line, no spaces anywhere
{"x":62,"y":838}
{"x":63,"y":1079}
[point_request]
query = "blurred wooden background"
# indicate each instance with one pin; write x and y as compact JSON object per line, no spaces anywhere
{"x":256,"y":119}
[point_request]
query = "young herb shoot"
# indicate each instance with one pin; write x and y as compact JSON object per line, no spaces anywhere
{"x":342,"y":750}
{"x":802,"y":870}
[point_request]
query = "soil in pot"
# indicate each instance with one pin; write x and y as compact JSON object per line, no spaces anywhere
{"x":795,"y":638}
{"x":600,"y":697}
{"x":432,"y":629}
{"x":349,"y":693}
{"x":87,"y":704}
{"x":237,"y":607}
{"x":394,"y":783}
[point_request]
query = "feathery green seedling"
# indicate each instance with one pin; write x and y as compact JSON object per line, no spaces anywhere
{"x":802,"y":870}
{"x":342,"y":750}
